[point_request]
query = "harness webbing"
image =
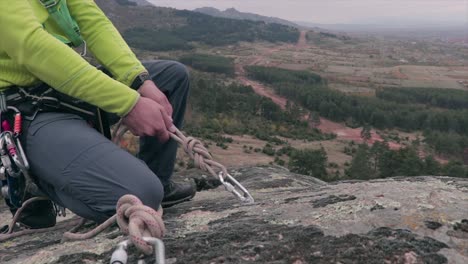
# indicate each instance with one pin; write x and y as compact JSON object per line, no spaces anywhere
{"x":59,"y":12}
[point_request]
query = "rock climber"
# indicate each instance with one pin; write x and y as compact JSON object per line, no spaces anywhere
{"x":72,"y":163}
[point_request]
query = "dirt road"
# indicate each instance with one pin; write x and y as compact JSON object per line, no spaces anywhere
{"x":302,"y":42}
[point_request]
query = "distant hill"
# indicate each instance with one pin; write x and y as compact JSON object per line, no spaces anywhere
{"x":133,"y":2}
{"x":235,"y":14}
{"x":142,"y":2}
{"x":158,"y":28}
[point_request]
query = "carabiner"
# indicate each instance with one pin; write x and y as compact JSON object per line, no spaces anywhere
{"x":16,"y":151}
{"x":159,"y":250}
{"x":5,"y":157}
{"x":120,"y":255}
{"x":231,"y":185}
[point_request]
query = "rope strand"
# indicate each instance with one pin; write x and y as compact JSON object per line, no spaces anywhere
{"x":134,"y":219}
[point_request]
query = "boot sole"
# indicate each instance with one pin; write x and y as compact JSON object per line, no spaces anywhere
{"x":172,"y":203}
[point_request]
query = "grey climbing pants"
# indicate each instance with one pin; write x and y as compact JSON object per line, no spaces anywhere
{"x":83,"y":171}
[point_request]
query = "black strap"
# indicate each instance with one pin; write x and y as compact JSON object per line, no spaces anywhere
{"x":45,"y":99}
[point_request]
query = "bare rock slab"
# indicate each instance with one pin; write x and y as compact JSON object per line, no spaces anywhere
{"x":296,"y":219}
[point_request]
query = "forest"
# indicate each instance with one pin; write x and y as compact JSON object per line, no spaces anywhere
{"x":413,"y":110}
{"x":214,"y":31}
{"x":373,"y":162}
{"x":443,"y":98}
{"x":379,"y":161}
{"x":209,"y":63}
{"x":220,"y":108}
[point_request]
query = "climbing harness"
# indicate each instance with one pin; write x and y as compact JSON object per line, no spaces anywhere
{"x":58,"y":11}
{"x":47,"y":99}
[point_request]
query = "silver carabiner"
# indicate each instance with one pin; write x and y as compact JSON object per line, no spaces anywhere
{"x":15,"y":149}
{"x":5,"y":157}
{"x":232,"y":185}
{"x":22,"y":155}
{"x":159,"y":250}
{"x":120,"y":256}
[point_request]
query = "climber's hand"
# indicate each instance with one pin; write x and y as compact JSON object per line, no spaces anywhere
{"x":149,"y":90}
{"x":148,"y":118}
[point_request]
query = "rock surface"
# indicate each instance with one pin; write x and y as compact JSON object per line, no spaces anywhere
{"x":296,"y":219}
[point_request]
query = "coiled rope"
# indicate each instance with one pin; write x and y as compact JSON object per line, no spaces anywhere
{"x":134,"y":219}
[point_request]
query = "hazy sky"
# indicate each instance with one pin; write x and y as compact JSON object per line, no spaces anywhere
{"x":343,"y":11}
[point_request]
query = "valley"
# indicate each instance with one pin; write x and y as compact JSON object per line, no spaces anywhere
{"x":353,"y":66}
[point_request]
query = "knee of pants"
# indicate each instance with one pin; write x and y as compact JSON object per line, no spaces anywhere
{"x":150,"y":193}
{"x":180,"y":70}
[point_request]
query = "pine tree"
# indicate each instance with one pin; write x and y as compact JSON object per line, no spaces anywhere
{"x":361,"y":167}
{"x":314,"y":118}
{"x":309,"y":162}
{"x":366,"y":134}
{"x":431,"y":166}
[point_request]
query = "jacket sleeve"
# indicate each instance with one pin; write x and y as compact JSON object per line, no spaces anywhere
{"x":105,"y":42}
{"x":29,"y":45}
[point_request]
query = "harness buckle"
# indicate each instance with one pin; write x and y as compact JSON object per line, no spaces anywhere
{"x":48,"y":3}
{"x":49,"y":101}
{"x":84,"y":49}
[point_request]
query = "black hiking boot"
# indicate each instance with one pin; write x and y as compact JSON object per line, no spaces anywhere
{"x":39,"y":214}
{"x":175,"y":193}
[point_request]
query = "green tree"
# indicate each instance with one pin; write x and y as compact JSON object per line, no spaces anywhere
{"x":309,"y":162}
{"x":409,"y":163}
{"x":314,"y":119}
{"x":361,"y":165}
{"x":431,"y":166}
{"x":366,"y":134}
{"x":454,"y":169}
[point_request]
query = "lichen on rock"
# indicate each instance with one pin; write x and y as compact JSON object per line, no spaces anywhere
{"x":296,"y":219}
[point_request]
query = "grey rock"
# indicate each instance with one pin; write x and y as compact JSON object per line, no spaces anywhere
{"x":432,"y":224}
{"x":295,"y":219}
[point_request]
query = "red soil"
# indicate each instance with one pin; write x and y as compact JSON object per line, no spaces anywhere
{"x":343,"y":132}
{"x":262,"y":90}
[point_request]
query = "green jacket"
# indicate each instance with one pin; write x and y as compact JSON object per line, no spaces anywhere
{"x":29,"y":55}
